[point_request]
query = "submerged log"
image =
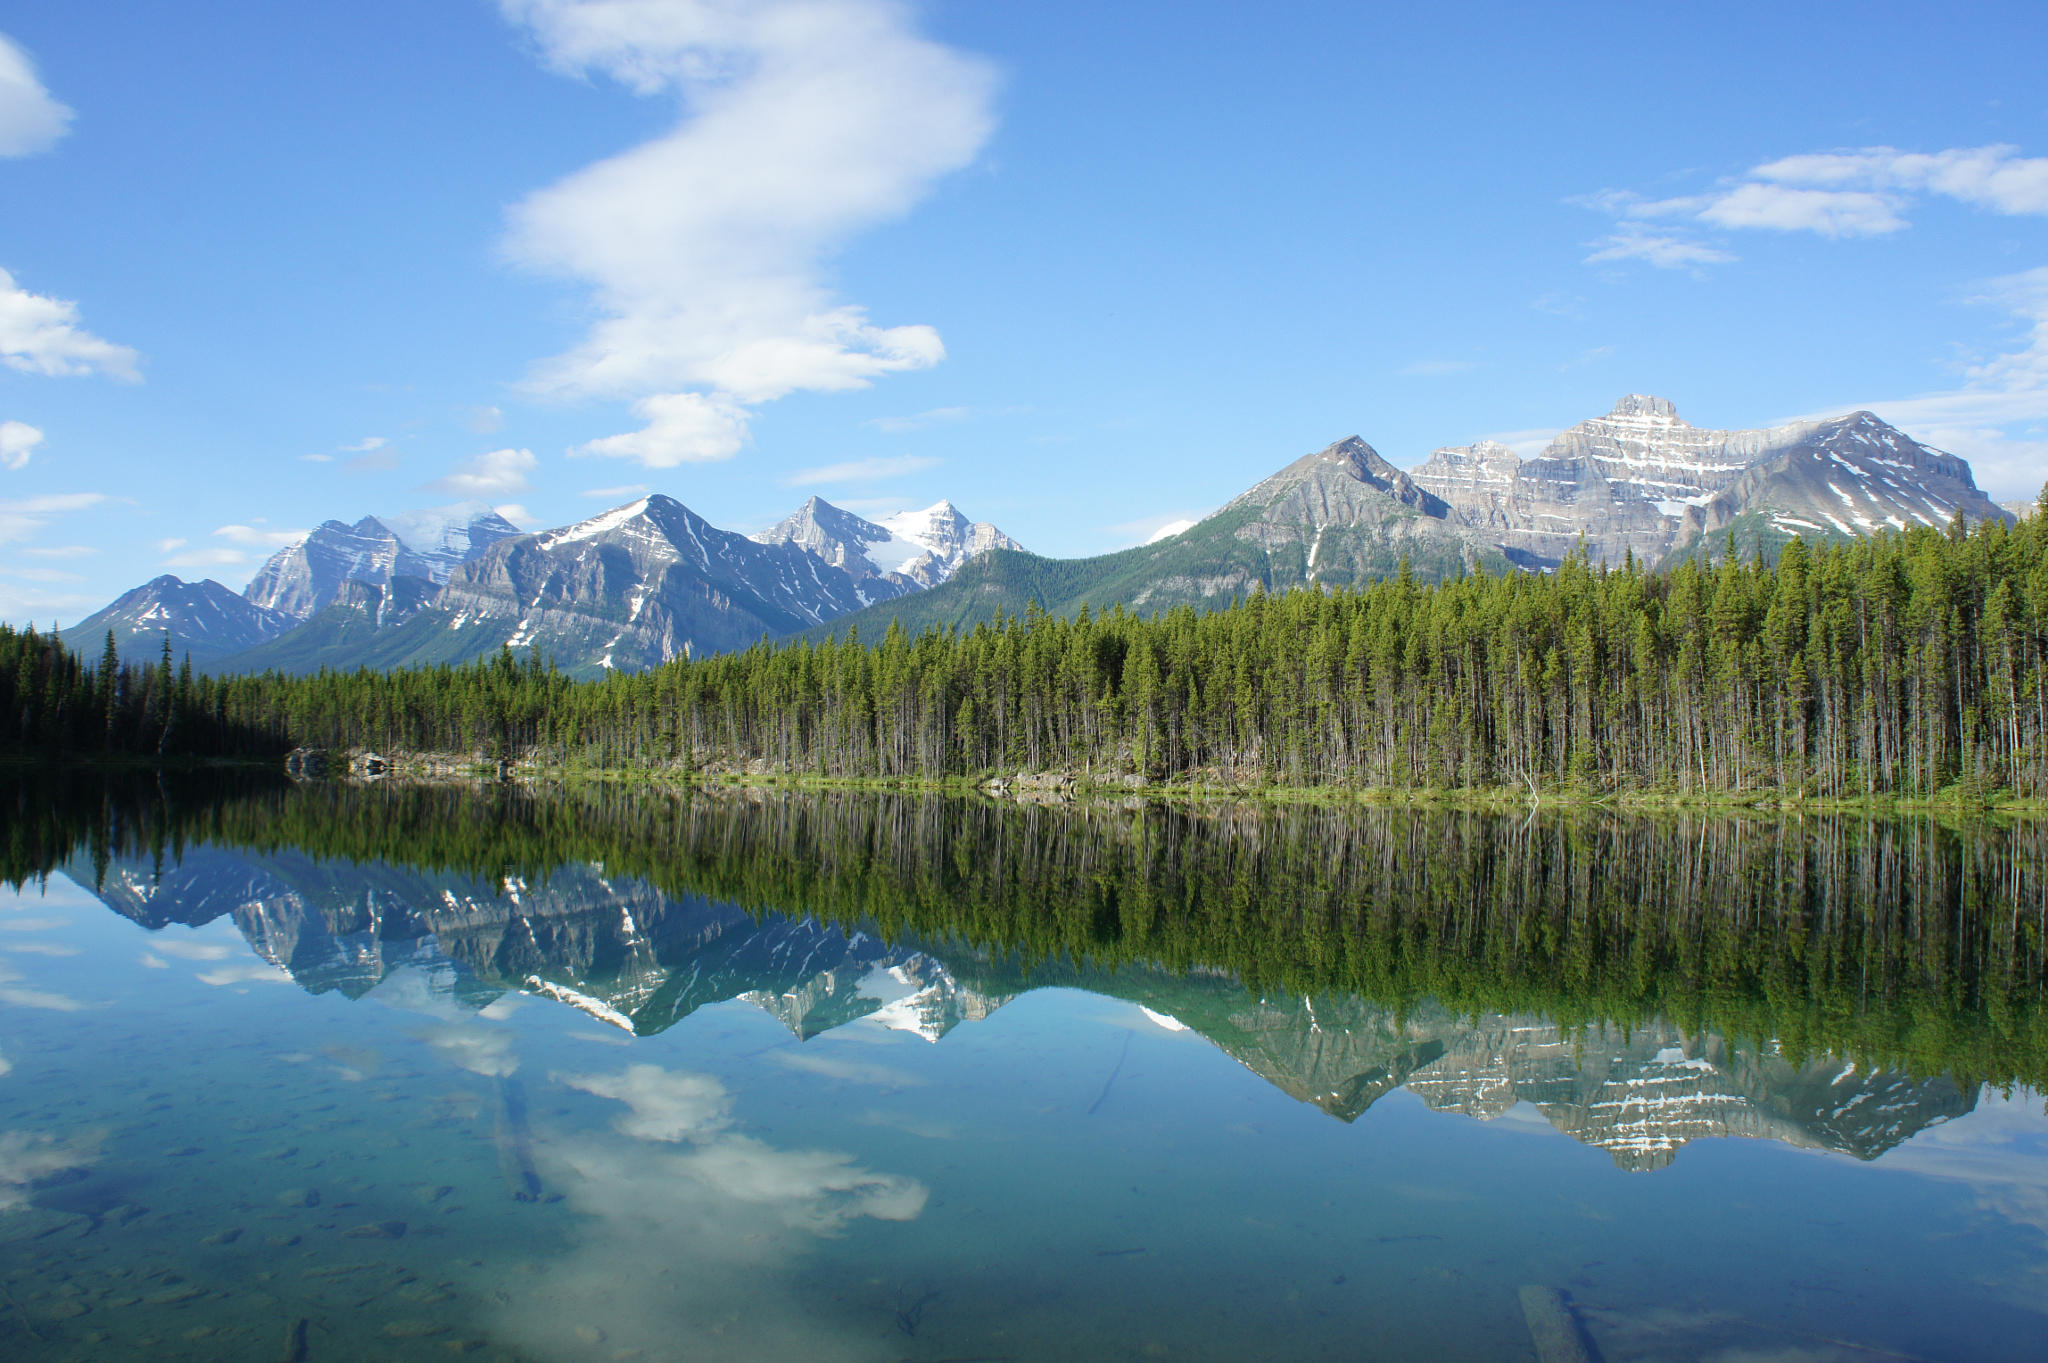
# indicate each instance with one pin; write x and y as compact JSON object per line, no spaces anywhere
{"x":1552,"y":1328}
{"x":515,"y":1142}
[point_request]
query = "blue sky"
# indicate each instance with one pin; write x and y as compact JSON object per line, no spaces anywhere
{"x":1083,"y":269}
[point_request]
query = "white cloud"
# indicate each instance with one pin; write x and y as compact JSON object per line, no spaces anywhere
{"x":1567,"y":305}
{"x":1665,"y":250}
{"x":207,"y":558}
{"x":1994,"y":177}
{"x":497,"y":474}
{"x":1527,"y":443}
{"x":484,"y":420}
{"x":665,"y":1105}
{"x":514,"y":512}
{"x":316,"y":459}
{"x":365,"y":445}
{"x":30,"y":120}
{"x":18,"y":440}
{"x":166,"y":545}
{"x":1857,"y":193}
{"x":899,"y":425}
{"x":28,"y":1157}
{"x":1151,"y":529}
{"x":861,"y":470}
{"x":255,"y":537}
{"x":624,"y":492}
{"x":1783,"y":208}
{"x":41,"y":335}
{"x":24,"y":516}
{"x":47,"y":576}
{"x":247,"y":972}
{"x":194,"y":951}
{"x":63,"y":551}
{"x":682,"y":428}
{"x":42,"y":999}
{"x":806,"y":122}
{"x":480,"y":1050}
{"x":1997,"y":418}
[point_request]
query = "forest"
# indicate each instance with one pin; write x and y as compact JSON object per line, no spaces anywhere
{"x":1911,"y":664}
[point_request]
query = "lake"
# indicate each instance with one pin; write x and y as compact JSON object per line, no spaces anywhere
{"x":358,"y":1072}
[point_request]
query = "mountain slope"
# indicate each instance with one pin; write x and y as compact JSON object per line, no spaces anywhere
{"x":1842,"y":478}
{"x":204,"y":619}
{"x":1340,"y":516}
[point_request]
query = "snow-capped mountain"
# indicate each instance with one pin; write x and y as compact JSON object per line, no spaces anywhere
{"x":922,"y":548}
{"x":643,"y":583}
{"x":204,"y":619}
{"x":306,"y":577}
{"x":929,"y":545}
{"x":630,"y":588}
{"x":1643,"y":480}
{"x":1851,"y":476}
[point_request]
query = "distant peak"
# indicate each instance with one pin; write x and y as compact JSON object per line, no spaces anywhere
{"x":1643,"y":404}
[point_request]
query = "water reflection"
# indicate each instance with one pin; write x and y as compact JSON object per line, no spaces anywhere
{"x":1887,"y":908}
{"x":408,"y":1074}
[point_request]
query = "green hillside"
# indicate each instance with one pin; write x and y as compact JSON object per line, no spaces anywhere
{"x":346,"y":637}
{"x":1207,"y":566}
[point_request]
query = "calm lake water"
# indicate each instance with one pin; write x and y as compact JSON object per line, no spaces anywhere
{"x":357,"y":1073}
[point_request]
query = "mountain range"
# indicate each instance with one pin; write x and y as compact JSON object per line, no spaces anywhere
{"x":624,"y":953}
{"x":651,"y":580}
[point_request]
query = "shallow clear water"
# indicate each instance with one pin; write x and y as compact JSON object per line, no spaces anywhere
{"x":836,"y":1146}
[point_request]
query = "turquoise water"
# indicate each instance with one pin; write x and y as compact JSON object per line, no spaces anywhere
{"x":285,"y":1128}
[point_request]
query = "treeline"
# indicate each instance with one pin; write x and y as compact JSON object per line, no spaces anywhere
{"x":53,"y":705}
{"x":1902,"y":664}
{"x":1906,"y":944}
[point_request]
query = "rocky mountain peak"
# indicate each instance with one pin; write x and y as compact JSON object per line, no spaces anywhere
{"x":204,"y":619}
{"x":910,"y":548}
{"x":1646,"y":405}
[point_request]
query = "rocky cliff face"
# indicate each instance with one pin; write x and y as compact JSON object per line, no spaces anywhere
{"x":1643,"y":481}
{"x":644,"y":583}
{"x":306,"y":577}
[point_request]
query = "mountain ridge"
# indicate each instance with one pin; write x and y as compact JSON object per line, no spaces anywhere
{"x":651,"y":580}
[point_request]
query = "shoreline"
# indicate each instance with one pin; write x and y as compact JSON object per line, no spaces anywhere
{"x":1069,"y":788}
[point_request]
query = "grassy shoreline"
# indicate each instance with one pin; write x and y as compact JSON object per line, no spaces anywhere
{"x":1081,"y":788}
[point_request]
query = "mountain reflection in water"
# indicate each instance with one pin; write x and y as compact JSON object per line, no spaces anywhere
{"x":1829,"y":983}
